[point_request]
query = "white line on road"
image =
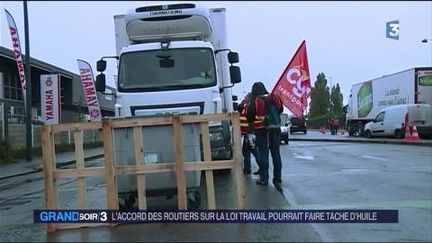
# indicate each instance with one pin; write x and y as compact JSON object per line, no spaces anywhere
{"x":373,"y":157}
{"x":305,"y":157}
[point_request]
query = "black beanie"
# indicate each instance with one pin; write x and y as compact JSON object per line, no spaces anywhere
{"x":258,"y":88}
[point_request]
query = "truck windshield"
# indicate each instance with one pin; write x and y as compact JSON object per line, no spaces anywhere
{"x":171,"y":69}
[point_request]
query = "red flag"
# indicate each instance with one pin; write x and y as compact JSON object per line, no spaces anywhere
{"x":293,"y":86}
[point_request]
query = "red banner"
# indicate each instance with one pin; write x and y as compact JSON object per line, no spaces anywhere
{"x":293,"y":86}
{"x":17,"y":51}
{"x":89,"y":90}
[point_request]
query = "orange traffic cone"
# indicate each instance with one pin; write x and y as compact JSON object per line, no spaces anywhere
{"x":411,"y":133}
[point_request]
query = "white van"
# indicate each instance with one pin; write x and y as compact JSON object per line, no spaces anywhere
{"x":391,"y":121}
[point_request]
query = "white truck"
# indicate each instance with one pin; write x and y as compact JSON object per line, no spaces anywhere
{"x":172,"y":59}
{"x":367,"y":99}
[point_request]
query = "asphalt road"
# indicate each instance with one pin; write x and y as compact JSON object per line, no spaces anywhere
{"x":329,"y":175}
{"x":316,"y":175}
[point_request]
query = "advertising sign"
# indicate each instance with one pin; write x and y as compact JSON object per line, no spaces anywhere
{"x":89,"y":90}
{"x":50,"y":102}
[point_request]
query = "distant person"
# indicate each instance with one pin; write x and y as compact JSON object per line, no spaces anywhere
{"x":334,"y":126}
{"x":264,"y":112}
{"x":246,"y":128}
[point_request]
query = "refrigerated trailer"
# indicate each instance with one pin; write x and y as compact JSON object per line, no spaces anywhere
{"x":367,"y":99}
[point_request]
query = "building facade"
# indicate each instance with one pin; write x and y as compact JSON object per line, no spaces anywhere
{"x":12,"y":107}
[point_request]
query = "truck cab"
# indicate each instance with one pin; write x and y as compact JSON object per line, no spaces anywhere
{"x":174,"y":59}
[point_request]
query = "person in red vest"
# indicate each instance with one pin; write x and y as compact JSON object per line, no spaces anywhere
{"x":264,"y":112}
{"x":248,"y":146}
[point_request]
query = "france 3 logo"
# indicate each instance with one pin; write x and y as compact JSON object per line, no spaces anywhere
{"x":392,"y":29}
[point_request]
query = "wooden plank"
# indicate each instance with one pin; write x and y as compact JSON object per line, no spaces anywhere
{"x":84,"y":172}
{"x":238,"y":157}
{"x":79,"y":158}
{"x":144,"y":169}
{"x":76,"y":126}
{"x":178,"y":151}
{"x":163,"y":167}
{"x":211,"y":202}
{"x":48,"y":160}
{"x":210,"y":165}
{"x":204,"y":118}
{"x":142,"y":121}
{"x":139,"y":159}
{"x":112,"y":196}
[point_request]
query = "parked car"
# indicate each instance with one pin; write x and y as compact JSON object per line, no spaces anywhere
{"x":391,"y":121}
{"x":285,"y":133}
{"x":298,"y":125}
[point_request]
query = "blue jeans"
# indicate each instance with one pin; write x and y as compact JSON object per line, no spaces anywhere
{"x":247,"y":150}
{"x":269,"y":140}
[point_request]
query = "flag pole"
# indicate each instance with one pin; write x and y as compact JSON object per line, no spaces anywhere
{"x":28,"y":104}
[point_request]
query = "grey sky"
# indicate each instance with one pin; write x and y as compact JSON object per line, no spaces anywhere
{"x":345,"y":40}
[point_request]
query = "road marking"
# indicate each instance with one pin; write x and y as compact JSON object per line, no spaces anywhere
{"x":373,"y":157}
{"x":305,"y":157}
{"x":354,"y":170}
{"x":421,"y":204}
{"x":298,"y":174}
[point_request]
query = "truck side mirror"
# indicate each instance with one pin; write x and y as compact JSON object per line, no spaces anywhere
{"x":101,"y":65}
{"x":233,"y":57}
{"x":100,"y":83}
{"x":235,"y":74}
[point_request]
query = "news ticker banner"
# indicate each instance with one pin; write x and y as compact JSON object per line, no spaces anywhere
{"x":216,"y":216}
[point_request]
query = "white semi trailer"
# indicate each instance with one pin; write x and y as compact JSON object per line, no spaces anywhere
{"x":367,"y":99}
{"x":172,"y":59}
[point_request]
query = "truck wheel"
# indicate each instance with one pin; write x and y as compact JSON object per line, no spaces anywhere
{"x":368,"y":134}
{"x":399,"y":134}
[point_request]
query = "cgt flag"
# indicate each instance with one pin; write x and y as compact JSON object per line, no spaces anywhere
{"x":89,"y":90}
{"x":293,"y":87}
{"x":17,"y":51}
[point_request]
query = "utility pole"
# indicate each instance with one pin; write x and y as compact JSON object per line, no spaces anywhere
{"x":28,"y":105}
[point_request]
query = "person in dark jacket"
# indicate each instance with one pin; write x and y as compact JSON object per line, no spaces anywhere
{"x":267,"y":138}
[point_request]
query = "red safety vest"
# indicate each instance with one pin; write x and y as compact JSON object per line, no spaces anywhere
{"x":259,"y":114}
{"x":244,"y":125}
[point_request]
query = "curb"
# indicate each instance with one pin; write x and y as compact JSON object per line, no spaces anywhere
{"x":427,"y":143}
{"x":59,"y":165}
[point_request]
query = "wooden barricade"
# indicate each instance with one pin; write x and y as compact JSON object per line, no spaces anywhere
{"x":109,"y":171}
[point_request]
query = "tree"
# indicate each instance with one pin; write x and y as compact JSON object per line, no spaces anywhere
{"x":320,"y":102}
{"x":336,"y":102}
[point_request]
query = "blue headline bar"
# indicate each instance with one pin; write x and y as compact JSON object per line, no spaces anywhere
{"x":216,"y":216}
